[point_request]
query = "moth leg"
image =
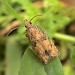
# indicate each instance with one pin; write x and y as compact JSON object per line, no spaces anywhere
{"x":26,"y":33}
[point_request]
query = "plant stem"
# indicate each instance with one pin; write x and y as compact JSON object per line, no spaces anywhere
{"x":64,"y":37}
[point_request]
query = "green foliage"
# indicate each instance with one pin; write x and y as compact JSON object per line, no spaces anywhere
{"x":13,"y":56}
{"x":19,"y":56}
{"x":73,"y":56}
{"x":31,"y":65}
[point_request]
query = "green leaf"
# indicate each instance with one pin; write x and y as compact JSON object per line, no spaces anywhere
{"x":72,"y":56}
{"x":31,"y":65}
{"x":13,"y":57}
{"x":54,"y":67}
{"x":30,"y":9}
{"x":12,"y":11}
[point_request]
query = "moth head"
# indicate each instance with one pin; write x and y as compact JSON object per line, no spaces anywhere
{"x":28,"y":24}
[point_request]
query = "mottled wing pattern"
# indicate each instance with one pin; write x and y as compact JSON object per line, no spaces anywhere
{"x":43,"y":47}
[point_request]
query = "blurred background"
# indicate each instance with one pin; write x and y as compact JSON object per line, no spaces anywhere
{"x":57,"y":20}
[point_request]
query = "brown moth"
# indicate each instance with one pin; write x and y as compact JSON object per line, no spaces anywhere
{"x":42,"y":46}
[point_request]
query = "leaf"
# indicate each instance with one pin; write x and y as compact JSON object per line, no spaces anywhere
{"x":72,"y":56}
{"x":31,"y":65}
{"x":54,"y":67}
{"x":13,"y":57}
{"x":12,"y":11}
{"x":30,"y":9}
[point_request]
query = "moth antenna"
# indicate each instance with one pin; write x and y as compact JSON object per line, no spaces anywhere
{"x":11,"y":31}
{"x":34,"y":17}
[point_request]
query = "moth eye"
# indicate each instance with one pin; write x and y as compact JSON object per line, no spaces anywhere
{"x":25,"y":26}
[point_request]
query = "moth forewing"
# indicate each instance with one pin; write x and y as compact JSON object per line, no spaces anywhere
{"x":42,"y":46}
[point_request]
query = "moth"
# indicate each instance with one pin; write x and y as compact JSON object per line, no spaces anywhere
{"x":42,"y":46}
